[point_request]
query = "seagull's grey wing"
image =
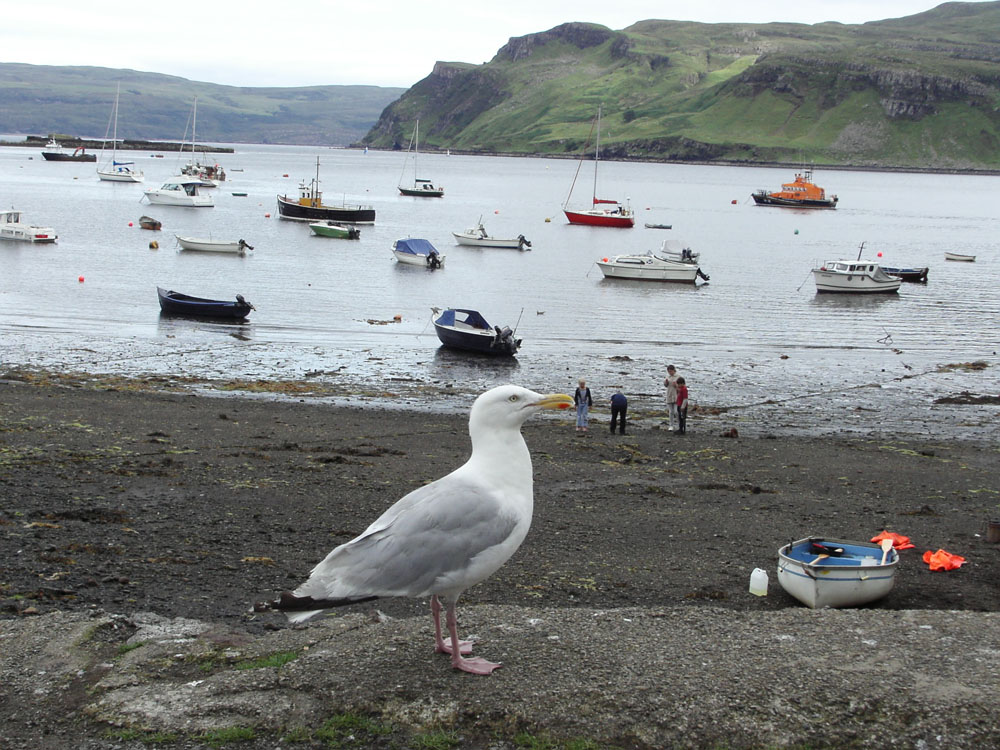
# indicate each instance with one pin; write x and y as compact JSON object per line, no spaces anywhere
{"x":429,"y":539}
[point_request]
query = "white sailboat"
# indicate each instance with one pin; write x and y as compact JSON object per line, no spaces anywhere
{"x":116,"y":171}
{"x":210,"y":175}
{"x":421,"y":188}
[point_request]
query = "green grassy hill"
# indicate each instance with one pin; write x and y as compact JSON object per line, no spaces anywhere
{"x":40,"y":99}
{"x":921,"y":92}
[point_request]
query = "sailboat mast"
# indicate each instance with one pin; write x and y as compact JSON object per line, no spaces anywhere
{"x":416,"y":149}
{"x":597,"y":153}
{"x":114,"y":134}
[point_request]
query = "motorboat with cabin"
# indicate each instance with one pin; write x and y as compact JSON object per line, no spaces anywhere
{"x":12,"y":228}
{"x":673,"y":262}
{"x":799,"y":193}
{"x":180,"y":191}
{"x":310,"y":207}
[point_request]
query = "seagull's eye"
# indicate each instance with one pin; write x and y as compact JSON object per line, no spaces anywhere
{"x":513,"y":398}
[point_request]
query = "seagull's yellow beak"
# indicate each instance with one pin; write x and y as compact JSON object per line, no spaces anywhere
{"x":555,"y":401}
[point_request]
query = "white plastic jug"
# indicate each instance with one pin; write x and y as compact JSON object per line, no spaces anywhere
{"x":758,"y":582}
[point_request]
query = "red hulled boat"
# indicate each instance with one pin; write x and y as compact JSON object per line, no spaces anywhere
{"x":602,"y":212}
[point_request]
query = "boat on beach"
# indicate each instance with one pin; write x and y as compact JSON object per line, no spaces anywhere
{"x":237,"y":247}
{"x":673,"y":262}
{"x":962,"y":257}
{"x":468,"y":330}
{"x":421,"y":188}
{"x":603,"y":212}
{"x":175,"y":303}
{"x":799,"y":193}
{"x":413,"y":251}
{"x":12,"y":228}
{"x":310,"y":207}
{"x":836,"y":573}
{"x":477,"y":236}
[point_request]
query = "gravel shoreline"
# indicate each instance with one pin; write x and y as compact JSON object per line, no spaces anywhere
{"x":124,"y":506}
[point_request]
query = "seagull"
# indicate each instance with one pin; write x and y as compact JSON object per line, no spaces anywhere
{"x":444,"y":537}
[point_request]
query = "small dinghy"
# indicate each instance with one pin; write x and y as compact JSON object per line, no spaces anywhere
{"x":962,"y":257}
{"x":335,"y":230}
{"x":148,"y":222}
{"x":175,"y":303}
{"x":836,"y":573}
{"x":199,"y":244}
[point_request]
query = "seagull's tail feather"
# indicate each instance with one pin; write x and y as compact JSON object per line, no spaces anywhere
{"x":301,"y":608}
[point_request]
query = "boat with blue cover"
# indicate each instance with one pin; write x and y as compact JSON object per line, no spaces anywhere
{"x":417,"y":252}
{"x":836,"y":573}
{"x":469,"y":330}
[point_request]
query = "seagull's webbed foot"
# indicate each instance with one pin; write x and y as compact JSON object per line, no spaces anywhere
{"x":475,"y":665}
{"x":457,"y":647}
{"x":441,"y":646}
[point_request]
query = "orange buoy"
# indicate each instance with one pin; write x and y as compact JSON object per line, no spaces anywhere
{"x":80,"y":279}
{"x":267,"y":216}
{"x":130,"y":223}
{"x":604,"y":260}
{"x":734,"y":201}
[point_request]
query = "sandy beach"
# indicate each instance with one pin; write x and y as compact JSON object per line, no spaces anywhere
{"x":122,"y":502}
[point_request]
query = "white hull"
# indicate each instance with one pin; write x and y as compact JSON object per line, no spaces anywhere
{"x":475,"y":240}
{"x":180,"y":191}
{"x":623,"y":267}
{"x":212,"y":246}
{"x":415,"y":260}
{"x":960,"y":257}
{"x":854,"y":277}
{"x":114,"y":176}
{"x":12,"y":228}
{"x":843,"y":582}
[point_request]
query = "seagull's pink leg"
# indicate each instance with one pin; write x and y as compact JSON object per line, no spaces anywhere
{"x":475,"y":665}
{"x":441,"y":646}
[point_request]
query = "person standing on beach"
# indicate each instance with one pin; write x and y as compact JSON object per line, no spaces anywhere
{"x":671,"y":384}
{"x":682,"y":406}
{"x":583,"y":401}
{"x":619,"y":407}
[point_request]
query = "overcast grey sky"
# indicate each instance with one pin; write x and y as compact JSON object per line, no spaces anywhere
{"x":311,"y":42}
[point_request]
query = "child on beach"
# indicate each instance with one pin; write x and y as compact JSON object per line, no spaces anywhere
{"x":583,"y":401}
{"x":682,"y":406}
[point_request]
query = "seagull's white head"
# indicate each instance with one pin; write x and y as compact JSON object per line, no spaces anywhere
{"x":508,"y":406}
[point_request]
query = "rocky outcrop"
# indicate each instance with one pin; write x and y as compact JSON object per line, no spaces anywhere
{"x":580,"y":35}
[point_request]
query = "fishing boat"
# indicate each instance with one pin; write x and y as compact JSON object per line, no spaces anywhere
{"x":333,"y":229}
{"x":148,"y":222}
{"x":175,"y":303}
{"x":916,"y":274}
{"x":468,"y":330}
{"x":673,"y":262}
{"x":310,"y":207}
{"x":12,"y":228}
{"x":477,"y":236}
{"x":421,"y":188}
{"x":799,"y":193}
{"x":180,"y":191}
{"x":960,"y":257}
{"x":238,"y":247}
{"x":55,"y":151}
{"x":836,"y":573}
{"x":116,"y":171}
{"x":854,"y":276}
{"x":603,"y":212}
{"x":209,"y":175}
{"x":417,"y":252}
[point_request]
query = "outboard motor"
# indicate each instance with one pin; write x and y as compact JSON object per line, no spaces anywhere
{"x":434,"y":259}
{"x":702,"y":274}
{"x":522,"y":242}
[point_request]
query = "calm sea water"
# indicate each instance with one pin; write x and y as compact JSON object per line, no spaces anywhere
{"x":757,"y":341}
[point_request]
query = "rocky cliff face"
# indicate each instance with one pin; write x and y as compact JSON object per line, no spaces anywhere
{"x":580,"y":35}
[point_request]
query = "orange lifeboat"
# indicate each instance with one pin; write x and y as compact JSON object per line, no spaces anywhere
{"x":800,"y":193}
